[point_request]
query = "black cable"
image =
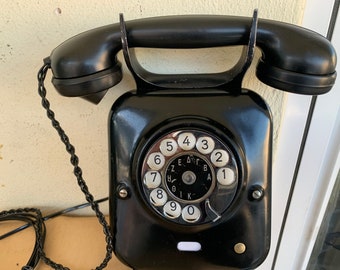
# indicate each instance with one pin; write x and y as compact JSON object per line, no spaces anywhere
{"x":33,"y":218}
{"x":47,"y":217}
{"x":77,"y":171}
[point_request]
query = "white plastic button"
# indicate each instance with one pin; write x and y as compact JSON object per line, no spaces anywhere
{"x":205,"y":145}
{"x":186,"y":140}
{"x":152,"y":179}
{"x":189,"y":246}
{"x":158,"y":197}
{"x":172,"y":209}
{"x":156,"y":161}
{"x":219,"y":157}
{"x":191,"y":213}
{"x":226,"y":176}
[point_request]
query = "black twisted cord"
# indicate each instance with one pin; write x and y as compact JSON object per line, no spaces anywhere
{"x":77,"y":172}
{"x":33,"y":217}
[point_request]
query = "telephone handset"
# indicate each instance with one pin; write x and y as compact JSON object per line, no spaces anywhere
{"x":293,"y":59}
{"x":190,"y":154}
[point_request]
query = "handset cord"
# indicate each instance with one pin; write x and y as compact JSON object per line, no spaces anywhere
{"x":77,"y":172}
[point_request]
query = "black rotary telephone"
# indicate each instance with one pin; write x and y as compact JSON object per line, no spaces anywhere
{"x":190,"y":154}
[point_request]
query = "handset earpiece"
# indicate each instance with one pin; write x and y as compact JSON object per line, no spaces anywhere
{"x":295,"y":59}
{"x":86,"y":65}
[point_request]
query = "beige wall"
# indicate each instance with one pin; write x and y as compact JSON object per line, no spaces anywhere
{"x":34,"y":168}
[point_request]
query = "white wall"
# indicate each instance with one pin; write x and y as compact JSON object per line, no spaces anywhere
{"x":34,"y":168}
{"x":320,"y":163}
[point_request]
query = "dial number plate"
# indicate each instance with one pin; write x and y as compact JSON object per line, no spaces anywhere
{"x":189,"y":176}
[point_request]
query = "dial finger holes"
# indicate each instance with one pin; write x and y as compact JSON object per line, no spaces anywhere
{"x":219,"y":157}
{"x":172,"y":209}
{"x":191,"y":213}
{"x":158,"y":197}
{"x":152,"y":179}
{"x":183,"y":170}
{"x":186,"y":141}
{"x":205,"y":145}
{"x":226,"y":176}
{"x":168,"y":147}
{"x":156,"y":161}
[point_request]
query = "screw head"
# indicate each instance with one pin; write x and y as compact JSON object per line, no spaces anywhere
{"x":123,"y":191}
{"x":256,"y":193}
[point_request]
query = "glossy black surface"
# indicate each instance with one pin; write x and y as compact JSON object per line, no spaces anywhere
{"x":145,"y":240}
{"x":293,"y":58}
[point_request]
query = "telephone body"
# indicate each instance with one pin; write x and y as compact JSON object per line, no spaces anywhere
{"x":190,"y":154}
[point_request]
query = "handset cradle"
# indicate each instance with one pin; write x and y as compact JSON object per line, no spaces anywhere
{"x":230,"y":80}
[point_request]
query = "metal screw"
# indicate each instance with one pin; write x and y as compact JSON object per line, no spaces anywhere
{"x":123,"y":193}
{"x":257,"y":194}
